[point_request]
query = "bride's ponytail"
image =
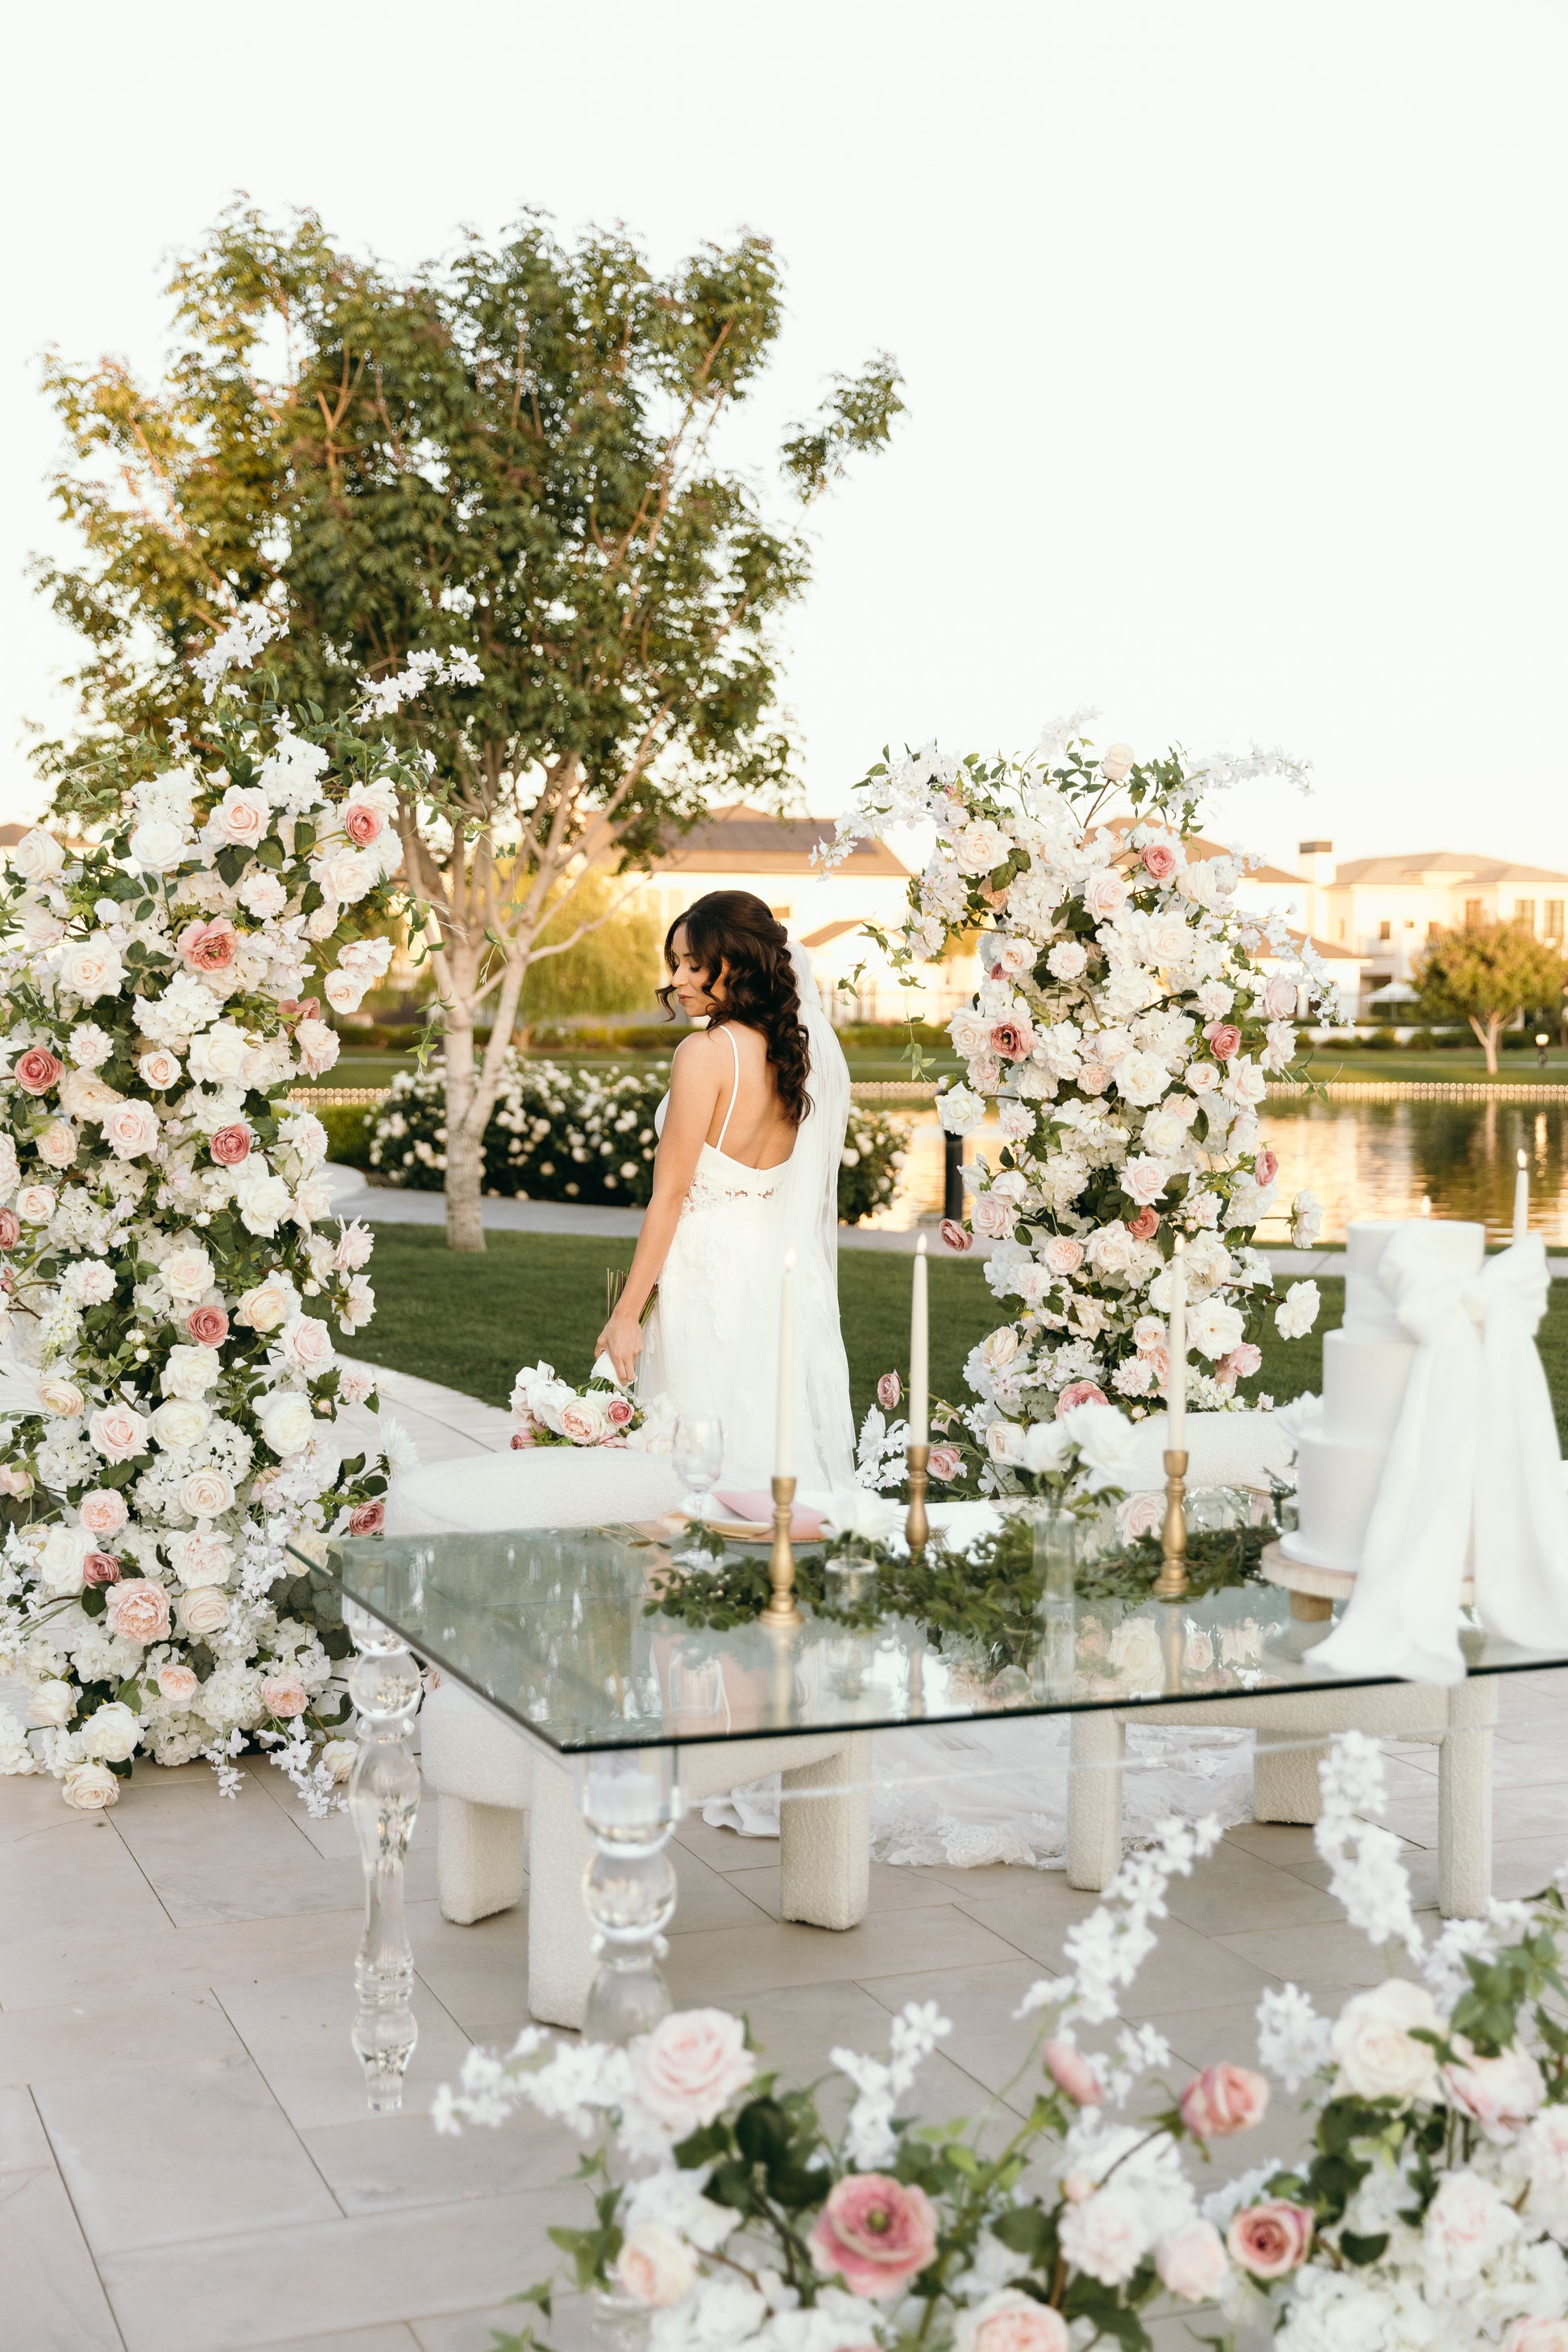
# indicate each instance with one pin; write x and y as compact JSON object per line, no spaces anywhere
{"x":733,"y":937}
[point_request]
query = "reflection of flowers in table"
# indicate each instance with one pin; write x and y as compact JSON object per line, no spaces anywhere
{"x":549,"y":1411}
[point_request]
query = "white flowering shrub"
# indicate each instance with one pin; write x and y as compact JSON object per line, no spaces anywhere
{"x":169,"y":1384}
{"x":560,"y":1134}
{"x":1124,"y":1036}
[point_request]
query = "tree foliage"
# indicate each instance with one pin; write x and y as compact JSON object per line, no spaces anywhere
{"x":512,"y":450}
{"x":1486,"y":974}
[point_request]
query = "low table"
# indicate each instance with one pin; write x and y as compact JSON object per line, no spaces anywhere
{"x":559,"y":1634}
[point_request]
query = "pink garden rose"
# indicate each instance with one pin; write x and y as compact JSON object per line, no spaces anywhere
{"x":945,"y":1462}
{"x":1192,"y":2261}
{"x":177,"y":1683}
{"x":102,"y":1512}
{"x":1225,"y":1039}
{"x":1264,"y":1168}
{"x":1141,"y":1515}
{"x":1104,"y":895}
{"x":364,"y":823}
{"x":1063,"y":1255}
{"x":889,"y":1390}
{"x":138,"y":1609}
{"x":36,"y":1070}
{"x":208,"y":1326}
{"x":1078,"y":1392}
{"x":1146,"y":1222}
{"x":1094,"y":1078}
{"x":1010,"y":2321}
{"x":10,"y":1229}
{"x":1279,"y":998}
{"x":1271,"y":2239}
{"x":284,"y":1695}
{"x":370,"y":1518}
{"x":995,"y":1214}
{"x":619,"y":1412}
{"x":208,"y":947}
{"x":525,"y":1436}
{"x":1071,"y":2073}
{"x":131,"y":1128}
{"x":100,"y":1567}
{"x":655,"y":2267}
{"x":1012,"y":1040}
{"x":230,"y":1145}
{"x":1224,"y":2099}
{"x":316,"y":1047}
{"x":1160,"y":860}
{"x":1500,"y":2094}
{"x":691,"y":2066}
{"x":118,"y":1433}
{"x":876,"y":2233}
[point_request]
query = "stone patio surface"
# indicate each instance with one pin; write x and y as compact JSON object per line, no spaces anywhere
{"x":186,"y":2164}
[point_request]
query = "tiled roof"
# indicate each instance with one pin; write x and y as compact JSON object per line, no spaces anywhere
{"x":1451,"y":865}
{"x":742,"y":840}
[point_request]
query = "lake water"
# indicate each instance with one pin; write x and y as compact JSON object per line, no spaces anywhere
{"x":1362,"y":1159}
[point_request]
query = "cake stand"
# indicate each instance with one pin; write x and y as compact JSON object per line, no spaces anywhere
{"x":1314,"y":1591}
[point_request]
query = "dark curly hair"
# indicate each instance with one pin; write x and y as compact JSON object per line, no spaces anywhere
{"x":732,"y":936}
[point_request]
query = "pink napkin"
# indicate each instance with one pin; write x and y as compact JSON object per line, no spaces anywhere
{"x":805,"y":1527}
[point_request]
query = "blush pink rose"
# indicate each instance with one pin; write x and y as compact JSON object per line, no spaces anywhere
{"x":953,"y":1234}
{"x":994,"y":1215}
{"x":1192,"y":2261}
{"x":1225,"y":1039}
{"x":691,"y":2066}
{"x":1014,"y":2322}
{"x":1078,"y":1392}
{"x":1160,"y":860}
{"x":208,"y":1326}
{"x":656,"y":2267}
{"x":1538,"y":2335}
{"x":945,"y":1462}
{"x":364,"y":823}
{"x":1071,"y":2073}
{"x":131,"y":1128}
{"x":1264,"y":1168}
{"x":104,"y":1512}
{"x":138,"y":1608}
{"x":230,"y":1145}
{"x":525,"y":1436}
{"x":100,"y":1567}
{"x":1279,"y":998}
{"x":876,"y":2233}
{"x":299,"y":1008}
{"x":1145,"y":1222}
{"x":1224,"y":2099}
{"x":1270,"y":2238}
{"x":619,"y":1412}
{"x":36,"y":1070}
{"x":1063,"y":1255}
{"x":1011,"y":1040}
{"x":1240,"y":1365}
{"x":208,"y":947}
{"x":889,"y":1389}
{"x":1140,"y":1515}
{"x":284,"y":1695}
{"x":10,"y":1229}
{"x":1104,"y":895}
{"x":177,"y":1683}
{"x":1094,"y":1078}
{"x":369,"y":1519}
{"x":1500,"y":2094}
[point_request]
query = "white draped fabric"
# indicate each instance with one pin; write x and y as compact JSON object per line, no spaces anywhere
{"x":1473,"y":1482}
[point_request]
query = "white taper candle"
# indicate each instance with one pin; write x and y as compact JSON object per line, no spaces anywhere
{"x":1177,"y":1347}
{"x":919,"y":1351}
{"x":1522,"y":1199}
{"x":784,"y":1442}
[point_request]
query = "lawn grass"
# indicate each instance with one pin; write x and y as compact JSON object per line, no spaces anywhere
{"x":353,"y":1069}
{"x":469,"y":1322}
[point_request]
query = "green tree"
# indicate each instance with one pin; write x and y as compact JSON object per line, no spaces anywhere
{"x":511,"y":451}
{"x":1486,"y":974}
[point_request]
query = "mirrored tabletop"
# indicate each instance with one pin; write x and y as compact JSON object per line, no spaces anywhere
{"x":563,"y":1632}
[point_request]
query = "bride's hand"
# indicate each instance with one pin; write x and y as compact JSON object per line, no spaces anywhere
{"x":621,"y":1340}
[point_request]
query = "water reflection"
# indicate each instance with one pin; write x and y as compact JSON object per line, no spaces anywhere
{"x":1361,"y":1159}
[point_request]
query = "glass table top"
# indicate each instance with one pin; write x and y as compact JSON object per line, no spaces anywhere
{"x":560,"y":1629}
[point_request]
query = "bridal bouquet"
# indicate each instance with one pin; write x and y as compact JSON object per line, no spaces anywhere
{"x":1123,"y":1035}
{"x":728,"y":2211}
{"x":549,"y":1411}
{"x":169,"y":1385}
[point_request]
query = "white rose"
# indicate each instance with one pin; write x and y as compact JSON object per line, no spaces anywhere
{"x":203,"y":1558}
{"x":91,"y":968}
{"x":157,"y":845}
{"x":262,"y":1200}
{"x":61,"y":1397}
{"x":1372,"y":2042}
{"x":267,"y":1305}
{"x":1141,"y":1079}
{"x":1116,"y":763}
{"x":343,"y":992}
{"x":1067,"y":959}
{"x":187,"y":1274}
{"x":1106,"y":2235}
{"x":190,"y":1370}
{"x":980,"y":847}
{"x":159,"y":1069}
{"x":206,"y":1494}
{"x":241,"y":818}
{"x":286,"y":1421}
{"x":316,"y":1047}
{"x":131,"y":1128}
{"x":339,"y":1755}
{"x":1005,"y":1442}
{"x":180,"y":1421}
{"x":1214,"y":1328}
{"x":217,"y":1054}
{"x":655,"y":2267}
{"x":52,"y":1704}
{"x":1104,"y":893}
{"x":1297,"y":1310}
{"x":959,"y":1110}
{"x":306,"y":1344}
{"x":204,"y":1611}
{"x":1143,"y":1180}
{"x":110,"y":1734}
{"x":346,"y":876}
{"x":117,"y":1432}
{"x":61,"y":1557}
{"x":88,"y":1788}
{"x":57,"y":1145}
{"x":38,"y":856}
{"x":36,"y":1204}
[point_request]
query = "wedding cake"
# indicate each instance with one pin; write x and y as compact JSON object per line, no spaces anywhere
{"x":1342,"y":1448}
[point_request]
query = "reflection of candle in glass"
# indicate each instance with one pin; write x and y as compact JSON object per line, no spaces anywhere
{"x":1177,"y":1347}
{"x":1521,"y":1200}
{"x":784,"y":1446}
{"x":1425,"y":1204}
{"x":919,"y":1353}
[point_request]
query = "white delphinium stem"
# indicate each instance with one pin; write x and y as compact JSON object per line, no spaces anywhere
{"x":219,"y":1756}
{"x":1369,"y":1877}
{"x":1105,"y":1951}
{"x":868,"y":2137}
{"x":1292,"y":2039}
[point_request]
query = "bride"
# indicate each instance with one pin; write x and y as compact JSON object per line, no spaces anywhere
{"x":750,"y":1140}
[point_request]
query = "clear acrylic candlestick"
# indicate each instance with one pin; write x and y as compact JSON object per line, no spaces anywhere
{"x":383,"y":1798}
{"x":631,"y":1804}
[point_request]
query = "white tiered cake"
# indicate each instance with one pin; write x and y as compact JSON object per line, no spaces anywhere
{"x":1366,"y":1363}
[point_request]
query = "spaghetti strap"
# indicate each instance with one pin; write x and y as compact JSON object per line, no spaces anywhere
{"x":734,"y":1090}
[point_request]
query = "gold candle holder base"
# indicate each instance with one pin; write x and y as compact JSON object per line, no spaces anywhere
{"x":781,"y":1608}
{"x":917,"y":1527}
{"x":1171,"y":1585}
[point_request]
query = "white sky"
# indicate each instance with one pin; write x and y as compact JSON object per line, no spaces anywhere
{"x":1234,"y":332}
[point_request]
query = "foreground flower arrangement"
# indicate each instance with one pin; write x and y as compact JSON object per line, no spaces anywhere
{"x":549,"y":1411}
{"x":1430,"y":2209}
{"x":170,"y":1385}
{"x":1125,"y":1035}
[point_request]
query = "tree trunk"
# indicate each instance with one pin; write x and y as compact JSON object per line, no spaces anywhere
{"x":1488,"y":1034}
{"x":465,"y":1152}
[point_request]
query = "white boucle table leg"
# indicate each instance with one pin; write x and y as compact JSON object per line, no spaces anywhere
{"x":479,"y":1859}
{"x":1285,"y":1783}
{"x":560,"y":1934}
{"x":1465,"y":1800}
{"x":824,"y":1838}
{"x":1094,"y":1799}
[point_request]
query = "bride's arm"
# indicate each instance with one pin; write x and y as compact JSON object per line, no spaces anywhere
{"x":694,"y":1085}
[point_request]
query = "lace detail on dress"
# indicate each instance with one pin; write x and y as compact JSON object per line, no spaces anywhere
{"x":711,"y":1192}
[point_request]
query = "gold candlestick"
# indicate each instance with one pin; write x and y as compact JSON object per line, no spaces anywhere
{"x":781,"y":1608}
{"x":1170,"y":1583}
{"x":917,"y":1527}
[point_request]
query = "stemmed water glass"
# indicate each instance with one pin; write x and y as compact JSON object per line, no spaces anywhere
{"x":698,"y":1456}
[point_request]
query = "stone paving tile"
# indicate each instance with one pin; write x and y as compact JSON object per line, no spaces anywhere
{"x":73,"y":1877}
{"x":731,"y":1962}
{"x":480,"y":1974}
{"x":24,"y":2143}
{"x":296,"y":2031}
{"x":382,"y":2162}
{"x":52,"y":2299}
{"x":892,"y":1889}
{"x":55,"y":1968}
{"x":392,"y":2338}
{"x":82,"y":2040}
{"x":1334,"y":1955}
{"x":1235,"y":1888}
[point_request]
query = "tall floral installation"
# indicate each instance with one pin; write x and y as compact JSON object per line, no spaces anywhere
{"x":1123,"y":1035}
{"x":169,"y":1408}
{"x":1426,"y":2212}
